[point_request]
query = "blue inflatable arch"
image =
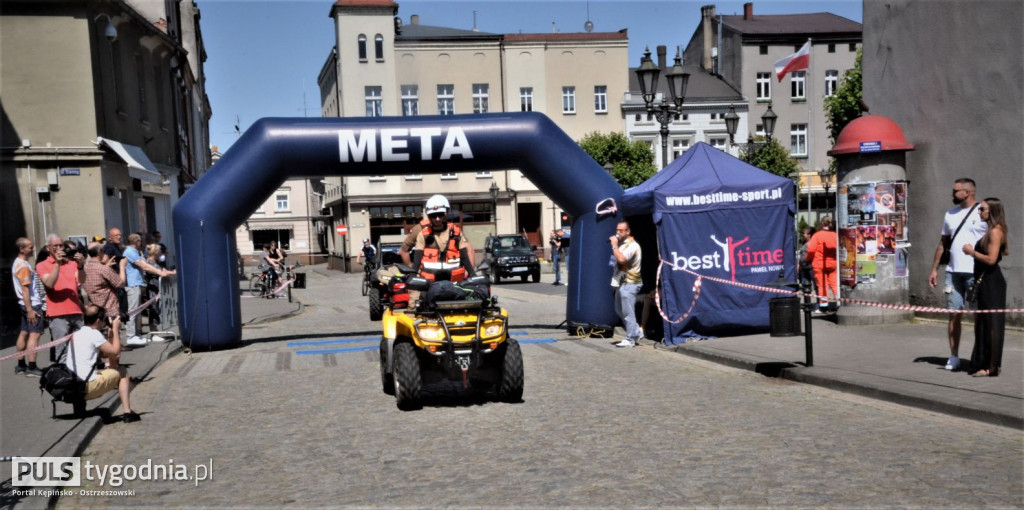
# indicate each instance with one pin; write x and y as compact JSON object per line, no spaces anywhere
{"x":273,"y":150}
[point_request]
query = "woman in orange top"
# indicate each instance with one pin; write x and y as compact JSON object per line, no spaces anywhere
{"x":821,"y":253}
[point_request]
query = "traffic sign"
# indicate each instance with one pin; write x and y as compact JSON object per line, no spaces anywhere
{"x":341,"y":230}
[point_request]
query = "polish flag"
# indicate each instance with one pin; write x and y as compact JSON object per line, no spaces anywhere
{"x":795,"y":62}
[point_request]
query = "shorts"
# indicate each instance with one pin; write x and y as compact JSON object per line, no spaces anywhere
{"x":956,"y":289}
{"x":106,"y":381}
{"x":36,"y":328}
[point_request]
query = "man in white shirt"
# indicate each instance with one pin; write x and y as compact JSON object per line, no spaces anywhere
{"x":963,"y":223}
{"x":626,"y":281}
{"x":86,"y":345}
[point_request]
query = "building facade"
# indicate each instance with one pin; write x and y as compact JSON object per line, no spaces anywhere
{"x":132,"y":130}
{"x":932,"y":85}
{"x":381,"y":66}
{"x":743,"y":49}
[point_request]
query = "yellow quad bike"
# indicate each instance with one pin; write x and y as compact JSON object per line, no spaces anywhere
{"x":449,"y":340}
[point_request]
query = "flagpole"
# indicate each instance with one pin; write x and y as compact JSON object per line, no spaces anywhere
{"x":810,"y":99}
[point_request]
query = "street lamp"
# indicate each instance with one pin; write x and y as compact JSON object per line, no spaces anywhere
{"x":494,"y":202}
{"x":647,"y":74}
{"x":826,"y":174}
{"x":732,"y":121}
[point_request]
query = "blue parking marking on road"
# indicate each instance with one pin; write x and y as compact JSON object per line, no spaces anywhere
{"x":339,"y":350}
{"x":335,"y":341}
{"x":519,"y":333}
{"x":538,"y":341}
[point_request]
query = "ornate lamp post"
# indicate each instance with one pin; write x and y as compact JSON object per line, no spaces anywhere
{"x":826,"y":174}
{"x":732,"y":121}
{"x":677,"y":79}
{"x":494,"y":203}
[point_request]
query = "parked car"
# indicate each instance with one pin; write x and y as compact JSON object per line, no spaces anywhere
{"x":511,"y":255}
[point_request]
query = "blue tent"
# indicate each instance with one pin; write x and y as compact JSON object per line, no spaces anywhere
{"x":718,"y":217}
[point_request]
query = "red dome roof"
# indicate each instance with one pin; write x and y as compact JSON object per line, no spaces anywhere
{"x":867,"y":129}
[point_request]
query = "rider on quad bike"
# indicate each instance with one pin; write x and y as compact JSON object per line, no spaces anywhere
{"x":455,"y":330}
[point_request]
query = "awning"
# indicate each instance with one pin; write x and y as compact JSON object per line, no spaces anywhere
{"x":139,"y":166}
{"x":269,"y":226}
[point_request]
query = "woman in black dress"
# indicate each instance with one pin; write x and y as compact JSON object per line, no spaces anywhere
{"x":990,"y":289}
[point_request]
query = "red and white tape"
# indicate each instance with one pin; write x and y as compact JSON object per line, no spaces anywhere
{"x":276,"y":291}
{"x":859,"y":302}
{"x":657,"y":298}
{"x":54,"y":343}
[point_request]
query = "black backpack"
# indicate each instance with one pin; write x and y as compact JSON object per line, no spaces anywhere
{"x":61,"y":382}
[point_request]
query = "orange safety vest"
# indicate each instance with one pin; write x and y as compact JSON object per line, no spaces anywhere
{"x":431,"y":262}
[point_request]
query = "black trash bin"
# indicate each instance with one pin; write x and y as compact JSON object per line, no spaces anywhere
{"x":785,"y":316}
{"x":300,"y":281}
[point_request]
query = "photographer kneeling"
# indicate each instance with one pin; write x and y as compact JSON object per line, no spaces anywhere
{"x":86,"y":344}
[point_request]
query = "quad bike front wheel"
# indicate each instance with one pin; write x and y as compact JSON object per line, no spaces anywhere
{"x":376,"y":304}
{"x":510,"y":387}
{"x":387,"y":380}
{"x":408,"y":382}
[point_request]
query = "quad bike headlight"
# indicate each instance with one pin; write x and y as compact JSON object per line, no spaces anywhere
{"x":430,"y":332}
{"x":492,"y":329}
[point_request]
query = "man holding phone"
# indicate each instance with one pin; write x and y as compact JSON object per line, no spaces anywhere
{"x":61,"y":275}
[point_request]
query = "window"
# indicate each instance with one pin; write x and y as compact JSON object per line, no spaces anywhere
{"x":718,"y":117}
{"x":831,"y":82}
{"x":414,"y":177}
{"x":483,"y":175}
{"x":378,"y":178}
{"x":798,"y":139}
{"x":480,"y":97}
{"x":568,"y":99}
{"x":362,"y":48}
{"x":832,"y":48}
{"x":853,"y":47}
{"x":679,"y":146}
{"x":718,"y":142}
{"x":601,"y":99}
{"x":764,"y":86}
{"x":410,"y":100}
{"x":446,"y":99}
{"x":140,"y":77}
{"x":281,"y":199}
{"x":797,"y":81}
{"x":763,"y":49}
{"x":373,"y":101}
{"x":526,"y":99}
{"x":449,"y":175}
{"x":378,"y":47}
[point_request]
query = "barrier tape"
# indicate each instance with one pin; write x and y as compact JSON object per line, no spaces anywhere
{"x":657,"y":298}
{"x":276,"y":291}
{"x":859,"y":302}
{"x":54,"y":343}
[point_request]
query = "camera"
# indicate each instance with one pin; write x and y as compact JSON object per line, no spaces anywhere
{"x":71,"y":248}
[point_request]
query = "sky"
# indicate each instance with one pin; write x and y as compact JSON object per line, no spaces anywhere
{"x":264,"y":56}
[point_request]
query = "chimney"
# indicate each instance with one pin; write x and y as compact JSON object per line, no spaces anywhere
{"x":662,"y":51}
{"x":414,"y":19}
{"x":748,"y":11}
{"x":707,"y":14}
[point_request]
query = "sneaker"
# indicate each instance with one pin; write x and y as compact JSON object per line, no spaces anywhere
{"x":625,"y":343}
{"x":130,"y":417}
{"x":953,"y":363}
{"x":136,"y":341}
{"x":33,"y":372}
{"x":20,"y":370}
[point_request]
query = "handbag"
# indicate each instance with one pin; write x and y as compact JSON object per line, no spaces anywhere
{"x":62,"y":383}
{"x":971,"y":296}
{"x":947,"y":245}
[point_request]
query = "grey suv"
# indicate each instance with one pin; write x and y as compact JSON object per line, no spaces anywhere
{"x":511,"y":255}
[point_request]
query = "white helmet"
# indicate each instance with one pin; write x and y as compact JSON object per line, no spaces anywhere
{"x":436,"y":204}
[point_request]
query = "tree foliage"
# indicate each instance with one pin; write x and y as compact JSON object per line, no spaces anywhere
{"x":847,"y":102}
{"x":633,"y":161}
{"x":773,"y":158}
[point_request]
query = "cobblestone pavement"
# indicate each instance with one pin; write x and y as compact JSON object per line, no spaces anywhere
{"x":599,"y":427}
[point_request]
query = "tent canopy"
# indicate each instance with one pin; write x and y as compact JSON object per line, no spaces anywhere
{"x":717,"y":217}
{"x":704,"y":179}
